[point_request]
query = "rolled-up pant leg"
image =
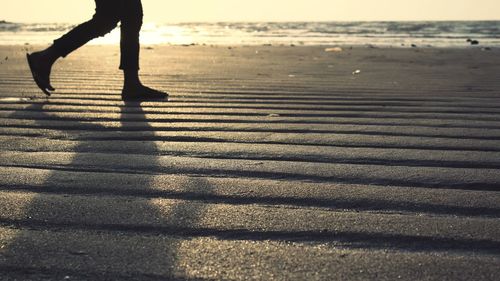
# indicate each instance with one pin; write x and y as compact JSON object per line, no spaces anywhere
{"x":131,"y":22}
{"x":105,"y":19}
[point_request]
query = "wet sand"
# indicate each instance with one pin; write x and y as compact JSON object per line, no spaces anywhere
{"x":286,"y":163}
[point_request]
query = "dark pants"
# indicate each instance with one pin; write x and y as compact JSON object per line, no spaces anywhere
{"x":107,"y":15}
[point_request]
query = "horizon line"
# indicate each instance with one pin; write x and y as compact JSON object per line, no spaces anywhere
{"x":275,"y":21}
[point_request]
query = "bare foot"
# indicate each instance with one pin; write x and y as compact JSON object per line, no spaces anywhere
{"x":142,"y":93}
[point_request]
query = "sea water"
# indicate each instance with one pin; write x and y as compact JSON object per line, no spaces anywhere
{"x":423,"y":33}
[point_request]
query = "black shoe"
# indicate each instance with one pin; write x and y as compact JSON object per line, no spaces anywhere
{"x":41,"y":82}
{"x":142,"y":93}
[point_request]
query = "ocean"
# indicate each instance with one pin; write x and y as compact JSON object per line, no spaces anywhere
{"x":395,"y":34}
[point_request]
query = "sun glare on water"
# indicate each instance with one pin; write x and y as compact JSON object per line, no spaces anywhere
{"x":152,"y":34}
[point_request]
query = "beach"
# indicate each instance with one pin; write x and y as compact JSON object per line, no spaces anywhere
{"x":267,"y":162}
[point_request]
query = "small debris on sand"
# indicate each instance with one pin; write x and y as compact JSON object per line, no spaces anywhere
{"x":334,"y":50}
{"x":78,"y":253}
{"x":473,"y":42}
{"x":355,"y":72}
{"x":273,"y":115}
{"x":413,"y":45}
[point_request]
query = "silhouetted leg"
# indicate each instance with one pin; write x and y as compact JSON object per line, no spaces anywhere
{"x":104,"y":20}
{"x":131,"y":16}
{"x":131,"y":23}
{"x":108,"y":14}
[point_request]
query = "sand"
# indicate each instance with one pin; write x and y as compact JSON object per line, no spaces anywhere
{"x":286,"y":163}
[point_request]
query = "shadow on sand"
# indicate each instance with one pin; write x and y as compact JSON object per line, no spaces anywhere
{"x":99,"y":233}
{"x":99,"y":247}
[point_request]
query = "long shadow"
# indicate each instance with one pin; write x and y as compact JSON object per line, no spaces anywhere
{"x":29,"y":252}
{"x":41,"y":263}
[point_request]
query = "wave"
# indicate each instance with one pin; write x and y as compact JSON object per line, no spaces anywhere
{"x":434,"y":27}
{"x":311,"y":33}
{"x":38,"y":27}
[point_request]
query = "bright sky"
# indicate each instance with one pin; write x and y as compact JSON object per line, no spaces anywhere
{"x":163,"y":11}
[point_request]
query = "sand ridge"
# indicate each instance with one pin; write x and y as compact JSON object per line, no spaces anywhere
{"x":267,"y":163}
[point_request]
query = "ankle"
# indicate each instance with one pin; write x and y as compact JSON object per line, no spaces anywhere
{"x":131,"y":79}
{"x":50,"y":55}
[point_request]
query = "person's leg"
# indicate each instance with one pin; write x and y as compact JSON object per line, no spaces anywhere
{"x":131,"y":15}
{"x":105,"y":19}
{"x":131,"y":23}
